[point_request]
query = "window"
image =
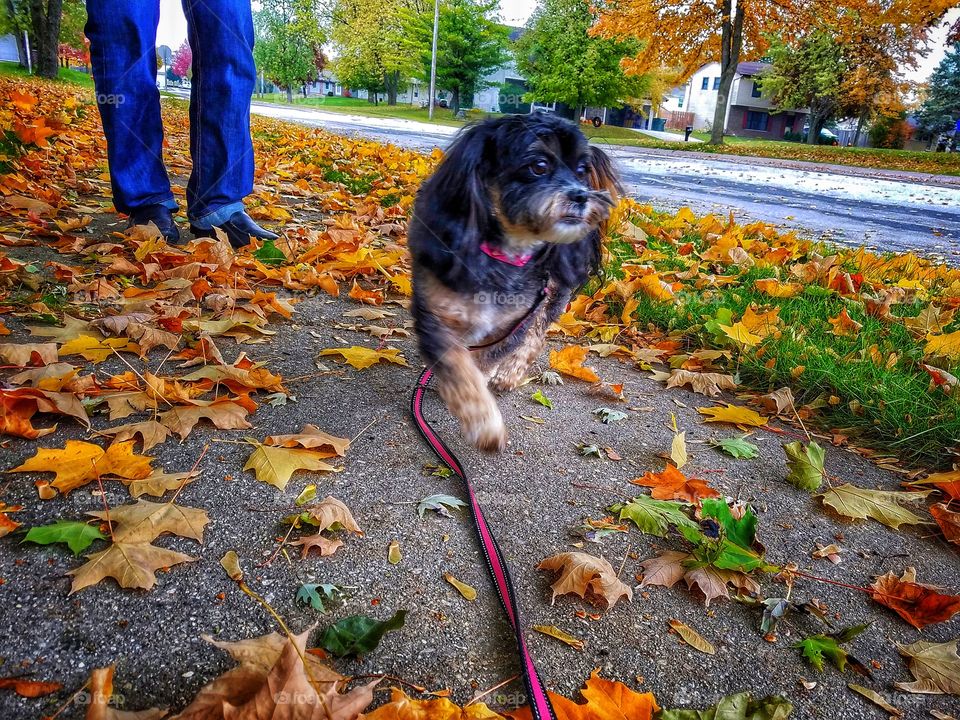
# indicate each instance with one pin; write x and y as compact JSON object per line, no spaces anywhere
{"x":706,"y":83}
{"x":716,"y":83}
{"x":757,"y":120}
{"x":680,"y":99}
{"x":756,"y":89}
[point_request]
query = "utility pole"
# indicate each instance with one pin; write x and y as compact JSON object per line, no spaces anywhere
{"x":433,"y":57}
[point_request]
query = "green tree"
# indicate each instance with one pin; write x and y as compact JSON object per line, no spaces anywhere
{"x":807,"y":74}
{"x":941,"y":108}
{"x":40,"y":19}
{"x":470,"y":44}
{"x":71,"y":25}
{"x":563,"y":63}
{"x":372,"y":50}
{"x":288,"y":42}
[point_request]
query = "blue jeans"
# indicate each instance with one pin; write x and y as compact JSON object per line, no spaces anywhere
{"x":123,"y":36}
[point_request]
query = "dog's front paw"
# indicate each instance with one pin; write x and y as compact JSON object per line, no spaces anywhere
{"x":486,"y":431}
{"x":510,"y":375}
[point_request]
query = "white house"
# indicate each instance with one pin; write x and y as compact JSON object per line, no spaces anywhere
{"x":748,"y":113}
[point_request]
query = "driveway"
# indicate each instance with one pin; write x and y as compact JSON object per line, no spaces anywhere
{"x":883,"y":210}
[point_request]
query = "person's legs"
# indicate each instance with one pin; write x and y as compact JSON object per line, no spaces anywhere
{"x":221,"y":37}
{"x":122,"y":37}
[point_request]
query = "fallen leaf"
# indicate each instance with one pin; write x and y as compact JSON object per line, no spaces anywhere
{"x":100,"y":691}
{"x":876,"y":698}
{"x":590,"y":577}
{"x":363,"y":357}
{"x":312,"y":438}
{"x":79,"y":463}
{"x":918,"y":604}
{"x":805,"y":465}
{"x":654,"y":517}
{"x":678,"y":449}
{"x":468,"y":592}
{"x":740,"y":334}
{"x":605,"y":700}
{"x":560,"y":635}
{"x":691,"y":637}
{"x":358,"y":634}
{"x":934,"y":666}
{"x":736,"y":707}
{"x":779,"y":402}
{"x":27,"y":688}
{"x":737,"y":447}
{"x":705,"y":383}
{"x":671,"y":484}
{"x":96,"y":351}
{"x":393,"y":553}
{"x":24,"y":355}
{"x":737,"y":415}
{"x":881,"y":505}
{"x":948,"y":520}
{"x":77,"y":535}
{"x":667,"y":569}
{"x":844,"y":326}
{"x":276,"y":465}
{"x":944,"y":345}
{"x":569,"y":361}
{"x":224,"y":414}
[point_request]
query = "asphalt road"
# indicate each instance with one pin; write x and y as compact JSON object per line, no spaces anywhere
{"x":882,"y":210}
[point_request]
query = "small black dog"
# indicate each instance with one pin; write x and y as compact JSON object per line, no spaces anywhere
{"x":502,"y":233}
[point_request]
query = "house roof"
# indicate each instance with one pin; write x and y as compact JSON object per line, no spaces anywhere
{"x":751,"y":68}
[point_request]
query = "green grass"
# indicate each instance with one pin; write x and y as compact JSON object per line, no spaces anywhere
{"x":356,"y":106}
{"x":67,"y":75}
{"x":870,"y":386}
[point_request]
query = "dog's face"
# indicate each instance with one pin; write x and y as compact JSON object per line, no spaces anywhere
{"x":543,"y":184}
{"x":546,"y":183}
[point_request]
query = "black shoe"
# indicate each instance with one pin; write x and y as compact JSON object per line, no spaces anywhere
{"x":159,"y":215}
{"x":239,"y":228}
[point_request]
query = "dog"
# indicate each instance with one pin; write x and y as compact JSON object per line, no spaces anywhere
{"x":502,"y":233}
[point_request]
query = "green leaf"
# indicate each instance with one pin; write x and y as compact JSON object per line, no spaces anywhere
{"x":358,"y":634}
{"x":539,"y":397}
{"x":736,"y":707}
{"x":727,"y":555}
{"x":805,"y":463}
{"x":312,"y":594}
{"x":736,"y":447}
{"x":817,"y":647}
{"x":742,"y":531}
{"x":655,"y":517}
{"x":609,"y":415}
{"x":270,"y":254}
{"x":76,"y":534}
{"x":440,"y":504}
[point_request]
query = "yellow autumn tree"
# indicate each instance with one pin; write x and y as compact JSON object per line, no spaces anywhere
{"x":687,"y":34}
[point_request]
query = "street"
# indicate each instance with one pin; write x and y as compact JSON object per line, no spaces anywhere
{"x":882,"y":210}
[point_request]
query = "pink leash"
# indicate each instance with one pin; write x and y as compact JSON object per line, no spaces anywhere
{"x":539,"y":701}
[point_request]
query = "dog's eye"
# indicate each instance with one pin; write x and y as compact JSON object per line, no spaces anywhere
{"x":539,"y":167}
{"x":582,"y":170}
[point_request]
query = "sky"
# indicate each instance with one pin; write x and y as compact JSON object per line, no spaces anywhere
{"x":173,"y":30}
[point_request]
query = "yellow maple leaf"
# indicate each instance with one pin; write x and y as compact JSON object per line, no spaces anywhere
{"x":739,"y":333}
{"x":844,"y":325}
{"x":737,"y":415}
{"x":78,"y":463}
{"x":652,"y":286}
{"x":569,"y":361}
{"x":946,"y":345}
{"x":96,"y":350}
{"x":363,"y":357}
{"x":275,"y":465}
{"x":762,"y":324}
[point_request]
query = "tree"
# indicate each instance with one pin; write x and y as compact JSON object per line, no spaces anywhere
{"x":808,"y":74}
{"x":289,"y":42}
{"x":562,"y":62}
{"x":182,"y":63}
{"x":470,"y":44}
{"x":372,"y":51}
{"x":72,"y":22}
{"x":688,"y":34}
{"x":40,"y":19}
{"x":941,"y":108}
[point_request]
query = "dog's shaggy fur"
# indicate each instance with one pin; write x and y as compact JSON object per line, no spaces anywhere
{"x":511,"y":189}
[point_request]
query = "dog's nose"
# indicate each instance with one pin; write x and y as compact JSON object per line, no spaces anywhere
{"x":578,"y":195}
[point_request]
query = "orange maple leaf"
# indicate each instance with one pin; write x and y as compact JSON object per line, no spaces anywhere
{"x":918,"y":604}
{"x":606,"y":700}
{"x":671,"y":484}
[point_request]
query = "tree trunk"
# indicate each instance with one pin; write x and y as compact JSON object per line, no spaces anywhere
{"x":45,"y":25}
{"x":816,"y":122}
{"x":455,"y":100}
{"x":860,"y":122}
{"x":290,"y":94}
{"x":731,"y":40}
{"x":392,"y":84}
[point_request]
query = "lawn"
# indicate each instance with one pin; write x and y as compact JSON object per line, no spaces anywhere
{"x":357,"y":106}
{"x":868,"y":344}
{"x":69,"y":75}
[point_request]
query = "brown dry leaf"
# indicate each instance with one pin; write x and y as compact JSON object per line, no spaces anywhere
{"x":876,"y":698}
{"x":331,"y":511}
{"x":948,"y":520}
{"x":312,"y":438}
{"x":934,"y":666}
{"x":151,"y":432}
{"x":159,"y":483}
{"x":779,"y":402}
{"x":7,"y":525}
{"x":131,"y":560}
{"x":79,"y":463}
{"x":224,"y":414}
{"x":27,"y":688}
{"x":931,"y":321}
{"x":100,"y":692}
{"x":590,"y":577}
{"x":671,"y":484}
{"x":324,"y":545}
{"x":713,"y":582}
{"x":918,"y":604}
{"x":844,"y":325}
{"x":72,"y":329}
{"x":569,"y":361}
{"x":666,"y":569}
{"x":691,"y":637}
{"x":705,"y":383}
{"x":560,"y":635}
{"x":26,"y":354}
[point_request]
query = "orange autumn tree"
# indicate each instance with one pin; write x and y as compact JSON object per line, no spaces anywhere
{"x":689,"y":33}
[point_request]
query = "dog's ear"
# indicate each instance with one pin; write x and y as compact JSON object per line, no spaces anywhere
{"x":603,"y":175}
{"x":458,"y":188}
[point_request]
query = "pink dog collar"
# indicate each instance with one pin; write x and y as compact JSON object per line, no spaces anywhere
{"x":497,"y":254}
